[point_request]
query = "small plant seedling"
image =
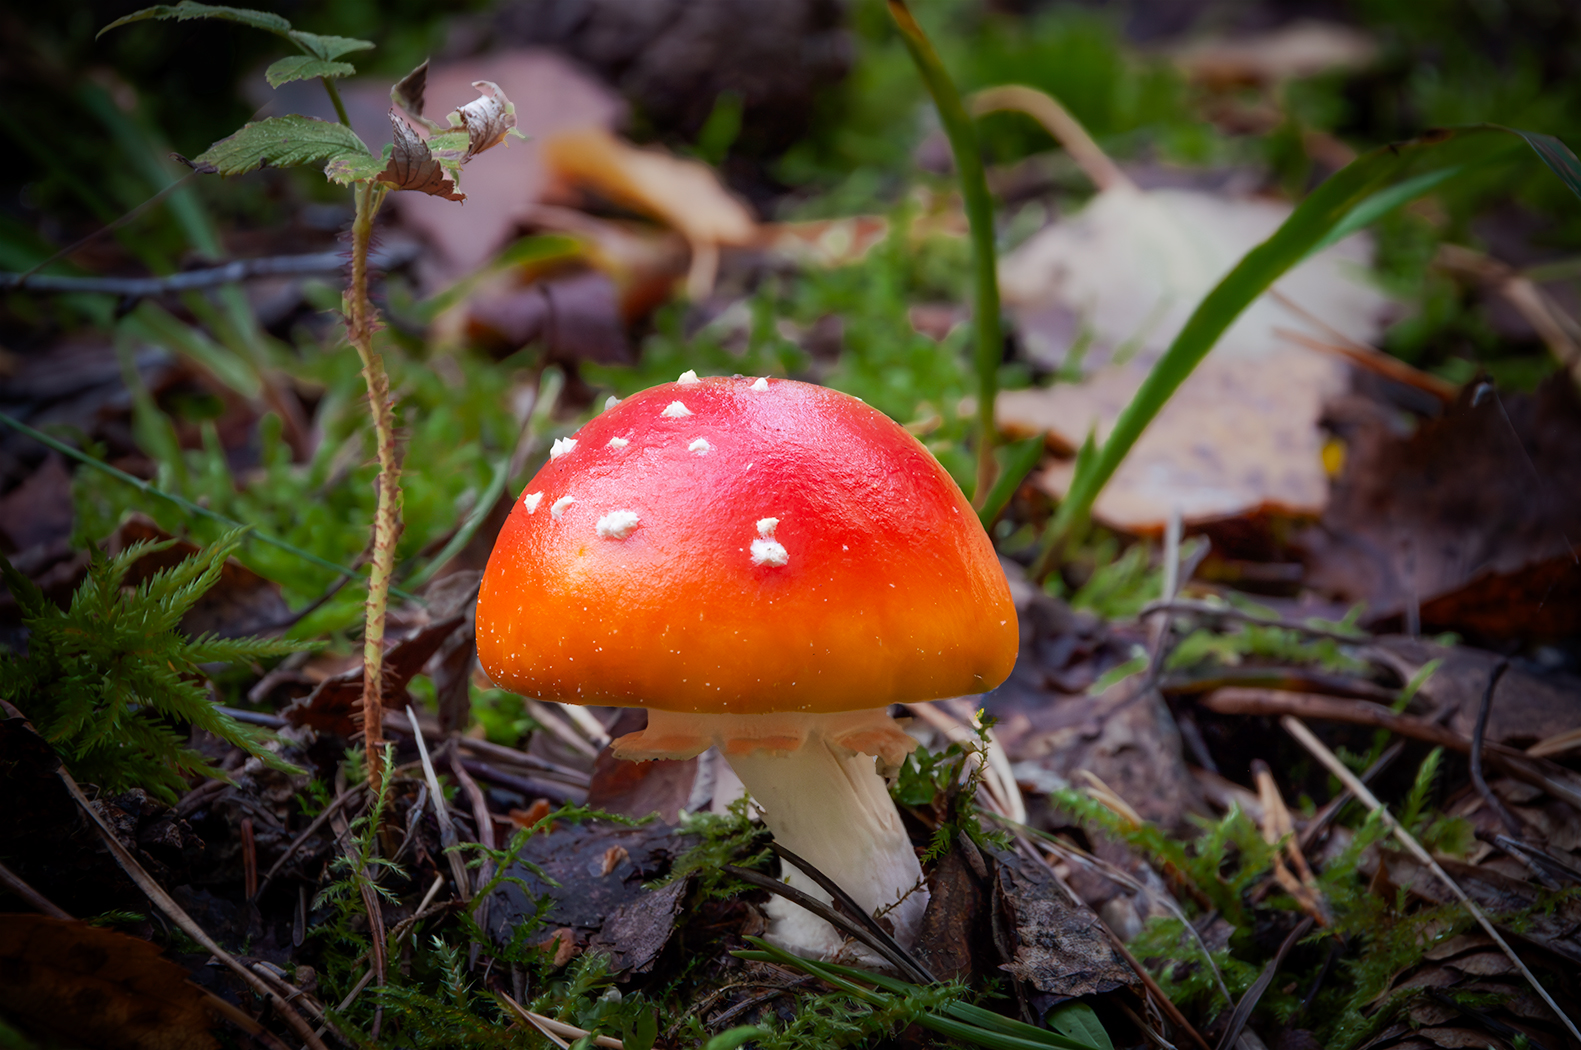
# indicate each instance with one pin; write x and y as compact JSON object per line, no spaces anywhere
{"x":408,"y":163}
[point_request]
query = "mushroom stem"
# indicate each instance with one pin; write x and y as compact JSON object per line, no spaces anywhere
{"x":816,"y":780}
{"x":828,"y":805}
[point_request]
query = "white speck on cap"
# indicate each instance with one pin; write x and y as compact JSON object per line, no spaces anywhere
{"x":761,"y":384}
{"x":700,"y":446}
{"x":617,"y":524}
{"x":559,"y":506}
{"x":675,"y":410}
{"x":687,"y":377}
{"x":769,"y":552}
{"x":561,"y":446}
{"x":618,"y":443}
{"x":610,"y":402}
{"x":530,"y":500}
{"x":766,"y":526}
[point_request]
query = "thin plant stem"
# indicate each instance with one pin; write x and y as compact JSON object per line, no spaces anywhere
{"x":387,"y":516}
{"x":334,"y":97}
{"x":962,"y":134}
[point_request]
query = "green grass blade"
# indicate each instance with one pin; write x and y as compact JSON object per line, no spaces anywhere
{"x":1019,"y":459}
{"x":962,"y":133}
{"x":1079,"y":1021}
{"x":1324,"y":210}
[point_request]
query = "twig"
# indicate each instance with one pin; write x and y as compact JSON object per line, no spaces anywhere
{"x":148,"y":488}
{"x":41,"y":903}
{"x":1551,"y":777}
{"x":500,"y":753}
{"x":559,"y":728}
{"x":448,"y":838}
{"x":1484,"y":709}
{"x":163,"y":901}
{"x":317,"y":263}
{"x":1325,"y":816}
{"x":296,"y":843}
{"x":529,"y":786}
{"x":249,"y":859}
{"x":486,"y":839}
{"x":370,"y":896}
{"x":553,"y":1030}
{"x":1319,"y":751}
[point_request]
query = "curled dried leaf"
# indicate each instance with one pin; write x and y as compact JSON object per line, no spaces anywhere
{"x":487,"y":119}
{"x":413,"y":167}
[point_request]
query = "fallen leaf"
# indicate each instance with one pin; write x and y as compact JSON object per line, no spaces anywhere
{"x":637,"y":789}
{"x":1241,"y":433}
{"x":685,"y":195}
{"x":1473,"y":517}
{"x":40,"y":509}
{"x":951,"y":938}
{"x":1055,"y":946}
{"x":335,"y":704}
{"x":635,"y":933}
{"x":96,"y":987}
{"x":1304,"y":48}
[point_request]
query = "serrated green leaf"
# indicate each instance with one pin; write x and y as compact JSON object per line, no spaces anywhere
{"x":328,"y":47}
{"x":187,"y":11}
{"x":283,"y":142}
{"x":347,"y":168}
{"x":448,"y":143}
{"x":305,"y":67}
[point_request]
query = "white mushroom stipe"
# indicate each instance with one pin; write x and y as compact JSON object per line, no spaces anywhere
{"x":687,"y":377}
{"x":769,"y":552}
{"x":618,"y":443}
{"x":760,"y":385}
{"x":766,"y":526}
{"x":617,"y":524}
{"x":610,"y":402}
{"x":700,"y":446}
{"x":675,"y":410}
{"x":531,"y":500}
{"x":561,"y":446}
{"x":558,"y":508}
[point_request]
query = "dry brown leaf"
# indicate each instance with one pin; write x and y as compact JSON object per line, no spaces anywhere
{"x":413,"y":167}
{"x":1300,"y":49}
{"x":683,"y":194}
{"x":96,"y":987}
{"x":410,"y":93}
{"x":488,"y":118}
{"x":1241,"y":433}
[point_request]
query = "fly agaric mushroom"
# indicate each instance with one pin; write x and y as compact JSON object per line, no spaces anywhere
{"x":765,"y":566}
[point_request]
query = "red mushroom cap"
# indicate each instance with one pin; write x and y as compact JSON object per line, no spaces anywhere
{"x":735,"y":546}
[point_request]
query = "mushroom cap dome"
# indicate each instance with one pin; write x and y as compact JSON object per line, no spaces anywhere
{"x":736,"y":547}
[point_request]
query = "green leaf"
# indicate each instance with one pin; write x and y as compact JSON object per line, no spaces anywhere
{"x":282,"y":142}
{"x":347,"y":168}
{"x":1019,"y":459}
{"x":1329,"y":207}
{"x":187,"y":11}
{"x":305,"y":67}
{"x":1078,"y":1021}
{"x":328,"y":47}
{"x":729,"y":1040}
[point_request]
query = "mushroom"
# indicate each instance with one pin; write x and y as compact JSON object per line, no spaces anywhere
{"x":765,"y":566}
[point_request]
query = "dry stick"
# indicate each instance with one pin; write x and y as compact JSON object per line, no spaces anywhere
{"x":370,"y":903}
{"x":486,"y":839}
{"x":163,"y":901}
{"x":1296,"y":728}
{"x":1249,"y":1001}
{"x":387,"y":517}
{"x":553,"y":1029}
{"x":1484,"y":709}
{"x":18,"y":886}
{"x":558,"y":727}
{"x":296,"y":843}
{"x":1229,"y":612}
{"x":1551,"y":777}
{"x":448,"y":839}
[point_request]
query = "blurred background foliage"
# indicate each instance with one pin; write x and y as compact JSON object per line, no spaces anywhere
{"x":90,"y":123}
